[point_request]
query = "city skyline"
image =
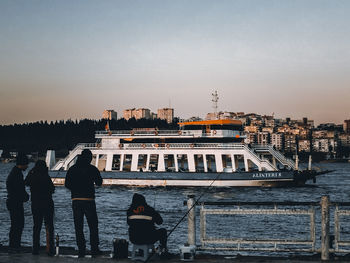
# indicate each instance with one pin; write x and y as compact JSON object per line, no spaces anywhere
{"x":71,"y":60}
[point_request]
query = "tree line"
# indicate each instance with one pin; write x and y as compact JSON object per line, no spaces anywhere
{"x":62,"y":136}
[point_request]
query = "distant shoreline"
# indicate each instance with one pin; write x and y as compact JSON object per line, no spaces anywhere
{"x":336,"y":161}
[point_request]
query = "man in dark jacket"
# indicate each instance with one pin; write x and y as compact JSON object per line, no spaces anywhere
{"x":16,"y":196}
{"x":41,"y":189}
{"x":80,"y":180}
{"x":141,"y":220}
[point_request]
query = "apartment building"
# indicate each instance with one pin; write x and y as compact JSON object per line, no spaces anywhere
{"x":109,"y":115}
{"x":166,"y":114}
{"x":277,"y":140}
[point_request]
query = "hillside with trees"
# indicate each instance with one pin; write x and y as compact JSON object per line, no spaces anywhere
{"x":62,"y":136}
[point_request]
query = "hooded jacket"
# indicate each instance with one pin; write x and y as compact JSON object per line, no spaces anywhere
{"x":16,"y":193}
{"x":39,"y":181}
{"x":81,"y":179}
{"x":141,"y":219}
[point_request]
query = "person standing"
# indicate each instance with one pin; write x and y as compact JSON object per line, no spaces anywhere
{"x":16,"y":196}
{"x":81,"y":179}
{"x":41,"y":189}
{"x":141,"y":219}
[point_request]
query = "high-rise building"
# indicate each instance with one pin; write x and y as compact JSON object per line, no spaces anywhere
{"x":263,"y":138}
{"x":344,"y":140}
{"x":346,"y":126}
{"x":166,"y":114}
{"x":140,"y":113}
{"x":320,"y":145}
{"x":277,"y":140}
{"x":290,"y":143}
{"x":109,"y":115}
{"x":251,"y":138}
{"x":128,"y":113}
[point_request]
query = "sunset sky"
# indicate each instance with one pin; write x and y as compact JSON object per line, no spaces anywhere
{"x":73,"y":59}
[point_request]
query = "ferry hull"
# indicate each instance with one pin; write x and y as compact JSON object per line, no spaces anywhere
{"x":164,"y":179}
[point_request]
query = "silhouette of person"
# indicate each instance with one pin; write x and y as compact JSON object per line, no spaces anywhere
{"x":41,"y":189}
{"x":16,"y":196}
{"x":141,"y":219}
{"x":81,"y":179}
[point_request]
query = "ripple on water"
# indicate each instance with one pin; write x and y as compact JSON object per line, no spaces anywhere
{"x":112,"y":203}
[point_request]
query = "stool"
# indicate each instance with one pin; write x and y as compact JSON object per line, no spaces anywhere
{"x":141,"y":252}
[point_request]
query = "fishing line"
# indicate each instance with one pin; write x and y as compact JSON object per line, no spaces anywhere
{"x":194,"y":204}
{"x":185,"y":215}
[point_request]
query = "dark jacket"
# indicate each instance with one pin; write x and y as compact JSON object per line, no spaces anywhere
{"x":41,"y":186}
{"x":16,"y":192}
{"x":80,"y":179}
{"x":141,"y":219}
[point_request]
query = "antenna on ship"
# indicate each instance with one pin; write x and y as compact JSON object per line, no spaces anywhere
{"x":215,"y":100}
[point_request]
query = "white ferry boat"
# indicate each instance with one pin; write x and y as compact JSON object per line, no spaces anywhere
{"x":200,"y":153}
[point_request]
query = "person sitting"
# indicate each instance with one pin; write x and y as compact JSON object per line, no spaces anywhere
{"x":41,"y":188}
{"x":141,"y":219}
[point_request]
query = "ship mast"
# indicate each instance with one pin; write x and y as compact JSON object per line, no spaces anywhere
{"x":215,"y":100}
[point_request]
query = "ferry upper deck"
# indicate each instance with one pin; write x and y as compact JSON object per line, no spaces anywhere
{"x":215,"y":145}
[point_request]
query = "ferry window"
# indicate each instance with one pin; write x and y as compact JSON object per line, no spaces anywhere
{"x":226,"y":161}
{"x":169,"y":162}
{"x":227,"y":127}
{"x":182,"y":160}
{"x":127,"y":162}
{"x":239,"y":160}
{"x":102,"y":160}
{"x":142,"y":162}
{"x":211,"y":163}
{"x":93,"y":161}
{"x":153,"y":163}
{"x":116,"y":162}
{"x":198,"y":162}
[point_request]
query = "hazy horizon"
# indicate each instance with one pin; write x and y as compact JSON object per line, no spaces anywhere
{"x":64,"y":60}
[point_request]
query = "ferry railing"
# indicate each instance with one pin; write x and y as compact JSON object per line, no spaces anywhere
{"x":311,"y":210}
{"x":253,"y":153}
{"x":141,"y":132}
{"x":160,"y":132}
{"x":71,"y":155}
{"x":186,"y":145}
{"x":280,"y":157}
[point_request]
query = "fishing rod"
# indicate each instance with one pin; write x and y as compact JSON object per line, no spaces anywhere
{"x":194,"y":204}
{"x":185,"y":215}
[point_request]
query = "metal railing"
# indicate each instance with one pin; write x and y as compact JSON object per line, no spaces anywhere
{"x":192,"y":133}
{"x":275,"y":243}
{"x":142,"y":132}
{"x":279,"y":156}
{"x":338,"y":243}
{"x":235,"y":146}
{"x":273,"y":209}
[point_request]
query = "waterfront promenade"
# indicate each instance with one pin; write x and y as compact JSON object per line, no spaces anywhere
{"x":27,"y":257}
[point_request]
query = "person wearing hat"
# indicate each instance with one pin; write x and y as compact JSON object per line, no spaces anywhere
{"x":16,"y":196}
{"x":141,"y":219}
{"x":41,"y":189}
{"x":81,"y":179}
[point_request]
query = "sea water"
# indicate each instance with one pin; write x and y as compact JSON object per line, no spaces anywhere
{"x":112,"y":203}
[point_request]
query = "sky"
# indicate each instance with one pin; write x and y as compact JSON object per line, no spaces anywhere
{"x":72,"y":59}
